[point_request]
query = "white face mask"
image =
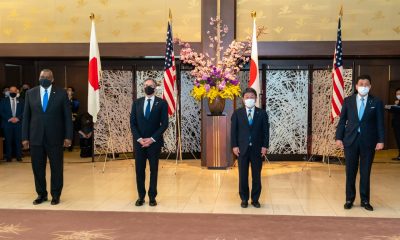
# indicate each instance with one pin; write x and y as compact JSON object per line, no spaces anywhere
{"x":398,"y":97}
{"x":250,"y":103}
{"x":363,"y":90}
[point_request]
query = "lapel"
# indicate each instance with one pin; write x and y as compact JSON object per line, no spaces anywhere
{"x":256,"y":114}
{"x":155,"y":104}
{"x":354,"y":103}
{"x":368,"y":106}
{"x":51,"y":97}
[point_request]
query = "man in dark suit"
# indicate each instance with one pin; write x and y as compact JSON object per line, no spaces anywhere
{"x":11,"y":112}
{"x":395,"y":110}
{"x":249,"y":142}
{"x":360,"y":132}
{"x":149,"y":120}
{"x":46,"y":130}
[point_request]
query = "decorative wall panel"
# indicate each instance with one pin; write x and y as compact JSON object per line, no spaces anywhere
{"x":114,"y":116}
{"x":287,"y":107}
{"x":190,"y":116}
{"x":323,"y":132}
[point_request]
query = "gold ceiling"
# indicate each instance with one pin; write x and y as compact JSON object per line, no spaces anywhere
{"x":315,"y":20}
{"x":62,"y":21}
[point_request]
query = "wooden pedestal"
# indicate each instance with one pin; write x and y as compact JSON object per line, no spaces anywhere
{"x":216,"y":152}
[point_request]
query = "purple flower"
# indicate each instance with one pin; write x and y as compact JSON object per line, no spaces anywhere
{"x":207,"y":87}
{"x":222,"y":85}
{"x":235,"y":81}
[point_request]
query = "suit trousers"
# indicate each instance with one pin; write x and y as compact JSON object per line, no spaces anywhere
{"x":39,"y":154}
{"x":12,"y":137}
{"x":250,"y":157}
{"x":152,"y":153}
{"x":396,"y":129}
{"x":357,"y":154}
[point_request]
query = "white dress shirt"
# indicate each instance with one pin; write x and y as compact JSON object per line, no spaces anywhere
{"x":42,"y":90}
{"x":252,"y":112}
{"x":146,"y":102}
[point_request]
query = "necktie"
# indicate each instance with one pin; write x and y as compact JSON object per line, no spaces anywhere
{"x":147,"y":112}
{"x":361,"y":110}
{"x":13,"y":107}
{"x":250,"y":118}
{"x":45,"y":100}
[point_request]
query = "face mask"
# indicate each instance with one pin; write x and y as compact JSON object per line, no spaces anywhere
{"x":149,"y":90}
{"x":363,"y":90}
{"x":44,"y":82}
{"x":250,"y":103}
{"x":7,"y":93}
{"x":13,"y":95}
{"x":398,"y":97}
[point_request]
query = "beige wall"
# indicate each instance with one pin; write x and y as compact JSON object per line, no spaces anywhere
{"x":67,"y":21}
{"x":314,"y":20}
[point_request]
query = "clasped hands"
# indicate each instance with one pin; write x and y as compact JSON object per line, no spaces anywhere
{"x":339,"y":144}
{"x":237,"y":152}
{"x":25,"y":144}
{"x":146,"y":142}
{"x":13,"y":120}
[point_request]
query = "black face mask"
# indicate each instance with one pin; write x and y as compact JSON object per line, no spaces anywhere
{"x":149,"y":90}
{"x":13,"y":95}
{"x":44,"y":82}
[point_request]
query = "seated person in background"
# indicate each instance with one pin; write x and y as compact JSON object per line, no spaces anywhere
{"x":85,"y":129}
{"x":395,"y":110}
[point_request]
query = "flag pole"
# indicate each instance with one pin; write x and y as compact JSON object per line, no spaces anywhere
{"x":177,"y":118}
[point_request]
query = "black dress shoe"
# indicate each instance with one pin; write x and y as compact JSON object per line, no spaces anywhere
{"x":256,"y":204}
{"x":244,"y":204}
{"x":153,"y":202}
{"x":39,"y":200}
{"x":348,"y":205}
{"x":367,"y":206}
{"x":55,"y":201}
{"x":139,"y":202}
{"x":19,"y":159}
{"x":8,"y":160}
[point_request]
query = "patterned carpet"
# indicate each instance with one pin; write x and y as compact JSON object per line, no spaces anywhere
{"x":71,"y":225}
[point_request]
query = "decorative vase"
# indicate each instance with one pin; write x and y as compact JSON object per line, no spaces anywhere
{"x":217,"y":106}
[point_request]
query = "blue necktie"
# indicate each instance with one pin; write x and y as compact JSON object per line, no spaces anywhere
{"x":361,"y":111}
{"x":45,"y":100}
{"x":250,"y":118}
{"x":147,"y":113}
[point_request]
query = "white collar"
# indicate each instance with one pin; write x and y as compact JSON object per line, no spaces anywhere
{"x":48,"y":89}
{"x":359,"y":97}
{"x":252,"y":109}
{"x":152,"y":98}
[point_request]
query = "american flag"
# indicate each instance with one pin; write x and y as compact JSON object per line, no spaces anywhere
{"x":337,"y":74}
{"x":169,"y":73}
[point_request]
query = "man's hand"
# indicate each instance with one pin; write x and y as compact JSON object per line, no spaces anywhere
{"x":13,"y":120}
{"x":67,"y":143}
{"x":339,"y":144}
{"x":379,"y":146}
{"x":264,"y":151}
{"x":236,"y":151}
{"x":397,"y":102}
{"x":147,"y":142}
{"x":25,"y":144}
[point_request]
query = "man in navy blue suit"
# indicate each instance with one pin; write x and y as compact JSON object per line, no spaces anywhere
{"x":12,"y":109}
{"x":149,"y":120}
{"x":360,"y":132}
{"x":250,"y":142}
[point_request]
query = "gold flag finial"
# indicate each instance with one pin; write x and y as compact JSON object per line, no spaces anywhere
{"x":91,"y":16}
{"x":253,"y":14}
{"x":170,"y":15}
{"x":341,"y":11}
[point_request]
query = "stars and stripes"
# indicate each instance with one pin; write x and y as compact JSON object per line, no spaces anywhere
{"x":337,"y":75}
{"x":169,"y":93}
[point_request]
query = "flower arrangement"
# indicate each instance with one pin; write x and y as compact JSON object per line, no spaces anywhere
{"x":217,"y":76}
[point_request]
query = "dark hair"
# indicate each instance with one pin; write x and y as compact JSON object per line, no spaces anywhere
{"x":73,"y":89}
{"x":397,"y":89}
{"x":363,"y":77}
{"x":150,"y":79}
{"x":249,"y":90}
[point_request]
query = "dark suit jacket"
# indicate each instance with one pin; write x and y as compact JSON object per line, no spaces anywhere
{"x":155,"y":126}
{"x":241,"y":130}
{"x":395,"y":110}
{"x":6,"y":113}
{"x":50,"y":127}
{"x":371,"y":125}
